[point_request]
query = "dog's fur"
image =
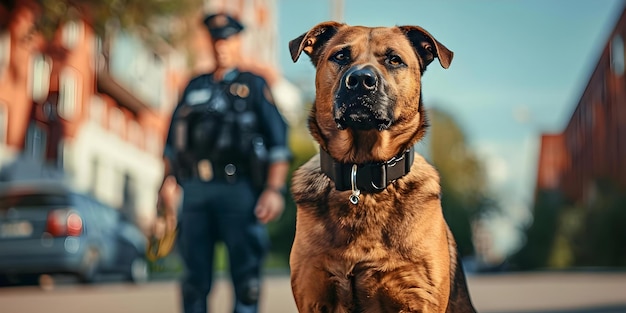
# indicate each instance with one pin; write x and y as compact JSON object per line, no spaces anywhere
{"x":392,"y":251}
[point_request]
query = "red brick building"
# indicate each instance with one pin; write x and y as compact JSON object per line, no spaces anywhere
{"x":592,"y":146}
{"x":100,"y":112}
{"x":61,"y":104}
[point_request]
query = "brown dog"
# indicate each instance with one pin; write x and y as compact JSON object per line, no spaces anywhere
{"x":370,"y":233}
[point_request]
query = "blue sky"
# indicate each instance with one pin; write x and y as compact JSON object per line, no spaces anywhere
{"x":518,"y":70}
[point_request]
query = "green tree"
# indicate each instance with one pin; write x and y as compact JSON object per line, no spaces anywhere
{"x":463,"y":178}
{"x":568,"y":233}
{"x":152,"y":18}
{"x":541,"y":236}
{"x":601,"y":237}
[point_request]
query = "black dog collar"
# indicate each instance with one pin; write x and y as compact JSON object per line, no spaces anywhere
{"x":369,"y":177}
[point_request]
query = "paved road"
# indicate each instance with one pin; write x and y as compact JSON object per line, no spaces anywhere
{"x":505,"y":293}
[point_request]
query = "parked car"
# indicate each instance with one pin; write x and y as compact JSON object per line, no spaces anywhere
{"x":48,"y":228}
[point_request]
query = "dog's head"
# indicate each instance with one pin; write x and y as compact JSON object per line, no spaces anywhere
{"x":368,"y":87}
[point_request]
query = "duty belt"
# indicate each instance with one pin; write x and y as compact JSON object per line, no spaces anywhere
{"x":206,"y":170}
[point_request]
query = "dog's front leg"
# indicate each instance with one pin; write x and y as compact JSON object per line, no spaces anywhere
{"x":314,"y":288}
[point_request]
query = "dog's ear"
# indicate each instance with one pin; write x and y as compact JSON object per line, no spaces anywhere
{"x":427,"y":47}
{"x":311,"y":41}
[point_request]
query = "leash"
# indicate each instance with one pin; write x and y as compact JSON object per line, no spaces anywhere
{"x":161,"y":247}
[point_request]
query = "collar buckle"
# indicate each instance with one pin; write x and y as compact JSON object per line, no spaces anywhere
{"x":382,"y":175}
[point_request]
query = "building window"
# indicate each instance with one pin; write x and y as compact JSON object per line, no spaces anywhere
{"x":60,"y":154}
{"x":129,"y":197}
{"x":5,"y":50}
{"x":98,"y":61}
{"x":4,"y":123}
{"x":41,"y":68}
{"x":589,"y":115}
{"x":35,"y":142}
{"x":617,"y":55}
{"x":68,"y":94}
{"x":72,"y":33}
{"x":67,"y":155}
{"x":95,"y":165}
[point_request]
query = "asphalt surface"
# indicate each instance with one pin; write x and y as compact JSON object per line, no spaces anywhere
{"x":603,"y":292}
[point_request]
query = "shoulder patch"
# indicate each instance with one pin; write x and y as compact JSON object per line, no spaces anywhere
{"x":198,"y":96}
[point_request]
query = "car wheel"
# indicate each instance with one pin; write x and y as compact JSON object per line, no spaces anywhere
{"x":5,"y":281}
{"x":91,"y":263}
{"x":13,"y":280}
{"x":138,"y":271}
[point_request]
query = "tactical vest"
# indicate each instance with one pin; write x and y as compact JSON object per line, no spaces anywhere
{"x":218,"y":122}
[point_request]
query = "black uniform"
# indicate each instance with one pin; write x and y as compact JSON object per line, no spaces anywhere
{"x":221,"y":138}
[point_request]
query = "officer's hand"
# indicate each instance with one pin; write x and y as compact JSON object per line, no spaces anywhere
{"x":163,"y":225}
{"x":270,"y":206}
{"x":167,"y":204}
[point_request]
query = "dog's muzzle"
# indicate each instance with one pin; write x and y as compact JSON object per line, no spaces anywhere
{"x":361,"y":101}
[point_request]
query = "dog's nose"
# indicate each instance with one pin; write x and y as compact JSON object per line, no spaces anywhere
{"x":361,"y":78}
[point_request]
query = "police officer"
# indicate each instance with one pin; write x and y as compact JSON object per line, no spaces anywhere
{"x":227,"y":149}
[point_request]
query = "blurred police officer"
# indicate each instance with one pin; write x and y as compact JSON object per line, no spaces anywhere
{"x":227,"y":149}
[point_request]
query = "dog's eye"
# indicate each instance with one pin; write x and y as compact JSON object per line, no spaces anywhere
{"x":341,"y":57}
{"x":394,"y":60}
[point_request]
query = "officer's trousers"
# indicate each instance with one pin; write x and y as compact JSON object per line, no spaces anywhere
{"x":220,"y":211}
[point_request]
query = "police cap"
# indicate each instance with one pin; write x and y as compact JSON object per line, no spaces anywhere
{"x":222,"y":26}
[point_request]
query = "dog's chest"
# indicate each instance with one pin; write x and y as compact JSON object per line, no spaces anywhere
{"x":389,"y":284}
{"x":364,"y":233}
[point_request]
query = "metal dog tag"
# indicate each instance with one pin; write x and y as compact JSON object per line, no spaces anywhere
{"x":354,"y":197}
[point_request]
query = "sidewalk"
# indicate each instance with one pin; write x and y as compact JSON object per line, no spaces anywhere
{"x":537,"y":292}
